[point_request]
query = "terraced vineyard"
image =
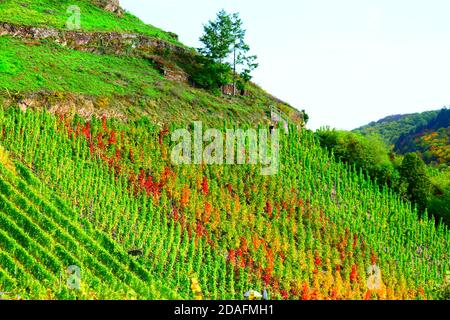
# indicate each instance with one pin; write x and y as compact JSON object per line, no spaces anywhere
{"x":87,"y":182}
{"x":316,"y":230}
{"x":40,"y":238}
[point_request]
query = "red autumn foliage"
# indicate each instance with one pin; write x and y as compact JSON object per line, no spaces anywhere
{"x":205,"y":187}
{"x":355,"y":241}
{"x":131,"y":155}
{"x":165,"y":176}
{"x":266,"y":278}
{"x":334,"y":294}
{"x":111,"y":162}
{"x":354,"y":274}
{"x":318,"y":261}
{"x":91,"y":148}
{"x":112,"y":138}
{"x":284,"y":294}
{"x":87,"y":131}
{"x":141,"y":178}
{"x":373,"y":258}
{"x":269,"y":209}
{"x":244,"y":244}
{"x":270,"y":260}
{"x":232,"y":256}
{"x":208,"y":210}
{"x":306,"y":295}
{"x":314,"y":294}
{"x":100,"y":140}
{"x":175,"y":214}
{"x":185,"y":194}
{"x":151,"y":187}
{"x":104,"y":126}
{"x":200,"y":230}
{"x":294,"y":292}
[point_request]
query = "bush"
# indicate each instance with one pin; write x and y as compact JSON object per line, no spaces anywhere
{"x":211,"y":75}
{"x":439,"y":201}
{"x":413,"y":173}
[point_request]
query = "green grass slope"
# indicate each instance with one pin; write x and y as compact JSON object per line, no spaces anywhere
{"x":127,"y":86}
{"x":53,"y":14}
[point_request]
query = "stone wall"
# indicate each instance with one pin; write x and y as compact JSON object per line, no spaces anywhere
{"x":111,"y":42}
{"x":67,"y":103}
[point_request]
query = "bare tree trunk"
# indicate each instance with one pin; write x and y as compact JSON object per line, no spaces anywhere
{"x":234,"y":70}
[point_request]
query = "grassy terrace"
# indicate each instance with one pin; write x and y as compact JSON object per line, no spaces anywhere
{"x":29,"y":67}
{"x":53,"y":14}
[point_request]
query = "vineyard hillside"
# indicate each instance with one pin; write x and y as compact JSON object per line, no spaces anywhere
{"x":88,"y":181}
{"x":41,"y":238}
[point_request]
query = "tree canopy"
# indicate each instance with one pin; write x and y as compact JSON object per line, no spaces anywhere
{"x":224,"y":44}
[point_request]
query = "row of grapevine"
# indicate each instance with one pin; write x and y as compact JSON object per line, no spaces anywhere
{"x":38,"y":243}
{"x":313,"y":231}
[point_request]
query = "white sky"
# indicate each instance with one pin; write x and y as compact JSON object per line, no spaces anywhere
{"x":346,"y":62}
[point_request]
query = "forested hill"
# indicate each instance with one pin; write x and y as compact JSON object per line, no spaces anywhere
{"x":426,"y":133}
{"x":392,"y":127}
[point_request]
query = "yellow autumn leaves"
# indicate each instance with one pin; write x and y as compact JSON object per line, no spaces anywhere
{"x":6,"y":161}
{"x":196,"y":290}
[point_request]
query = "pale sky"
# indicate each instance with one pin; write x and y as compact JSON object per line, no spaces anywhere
{"x":346,"y":62}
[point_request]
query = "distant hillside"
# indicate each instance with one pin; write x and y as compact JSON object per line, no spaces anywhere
{"x":391,"y":127}
{"x":426,"y":133}
{"x":431,"y":140}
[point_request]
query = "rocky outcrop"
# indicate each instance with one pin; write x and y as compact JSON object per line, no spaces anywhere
{"x":99,"y":42}
{"x":106,"y":43}
{"x":168,"y":70}
{"x":67,"y":103}
{"x":228,"y":89}
{"x":110,"y":5}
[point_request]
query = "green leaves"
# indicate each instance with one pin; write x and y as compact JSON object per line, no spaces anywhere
{"x":413,"y":171}
{"x":320,"y":208}
{"x":224,"y":45}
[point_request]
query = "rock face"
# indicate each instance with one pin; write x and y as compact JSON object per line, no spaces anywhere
{"x":110,"y":5}
{"x":68,"y":103}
